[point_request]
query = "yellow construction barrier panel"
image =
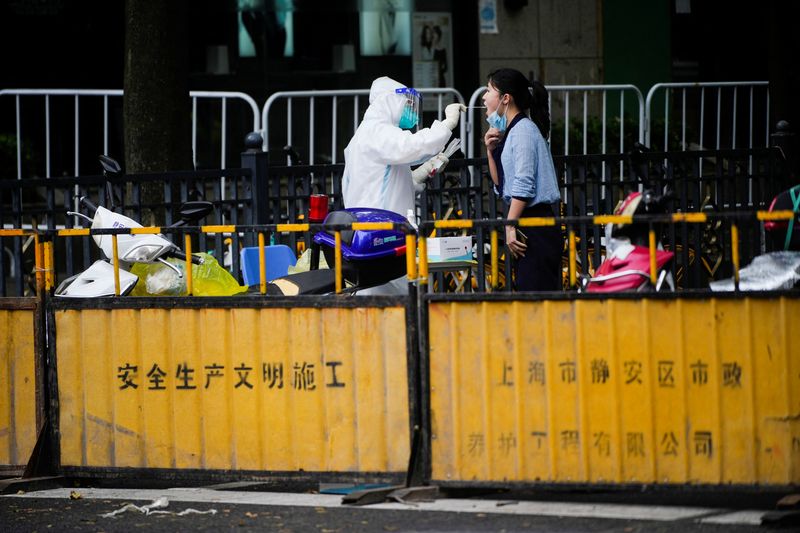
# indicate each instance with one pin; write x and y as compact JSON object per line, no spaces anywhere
{"x":254,"y":389}
{"x":19,"y":407}
{"x":617,"y":391}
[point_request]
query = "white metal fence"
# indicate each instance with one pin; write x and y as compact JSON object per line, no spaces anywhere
{"x":705,"y":107}
{"x":599,"y":118}
{"x":593,"y":103}
{"x":728,"y":107}
{"x":326,"y":108}
{"x":40,"y":101}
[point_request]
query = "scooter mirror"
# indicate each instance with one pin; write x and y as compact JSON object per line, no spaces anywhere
{"x":195,"y":210}
{"x":111,"y":169}
{"x":110,"y":165}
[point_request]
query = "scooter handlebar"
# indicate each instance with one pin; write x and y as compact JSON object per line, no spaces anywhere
{"x":84,"y":201}
{"x":181,"y":256}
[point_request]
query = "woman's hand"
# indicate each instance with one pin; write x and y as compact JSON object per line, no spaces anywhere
{"x":491,"y":139}
{"x":516,"y":246}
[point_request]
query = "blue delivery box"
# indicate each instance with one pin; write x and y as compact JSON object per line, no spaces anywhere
{"x":369,"y":257}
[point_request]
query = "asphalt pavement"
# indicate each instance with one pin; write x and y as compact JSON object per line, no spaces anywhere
{"x":178,"y":509}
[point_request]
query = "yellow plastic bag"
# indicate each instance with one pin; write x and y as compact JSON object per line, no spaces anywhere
{"x":304,"y":262}
{"x":208,"y":279}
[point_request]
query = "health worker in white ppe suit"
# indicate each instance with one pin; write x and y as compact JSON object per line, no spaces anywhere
{"x":377,"y":169}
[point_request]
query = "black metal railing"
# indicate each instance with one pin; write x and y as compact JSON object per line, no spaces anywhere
{"x":259,"y":193}
{"x":591,"y":184}
{"x":488,"y":273}
{"x":709,"y":181}
{"x":43,"y":204}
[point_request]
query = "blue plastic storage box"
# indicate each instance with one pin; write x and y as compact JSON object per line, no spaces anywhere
{"x":278,"y":257}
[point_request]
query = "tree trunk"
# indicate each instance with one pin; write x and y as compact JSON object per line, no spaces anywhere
{"x":156,"y":105}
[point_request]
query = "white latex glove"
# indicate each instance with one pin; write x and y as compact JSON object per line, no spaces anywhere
{"x":451,"y":115}
{"x":429,"y":168}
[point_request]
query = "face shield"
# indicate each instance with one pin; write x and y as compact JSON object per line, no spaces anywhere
{"x":410,"y":115}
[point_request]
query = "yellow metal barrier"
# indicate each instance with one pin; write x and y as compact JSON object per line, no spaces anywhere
{"x":262,"y":264}
{"x":290,"y":387}
{"x":495,"y":261}
{"x":20,"y":401}
{"x":422,"y":245}
{"x":652,"y":251}
{"x":676,"y":218}
{"x":452,"y":224}
{"x":115,"y":262}
{"x":667,"y":391}
{"x":339,"y":281}
{"x":187,"y":247}
{"x":151,"y":230}
{"x":572,"y":262}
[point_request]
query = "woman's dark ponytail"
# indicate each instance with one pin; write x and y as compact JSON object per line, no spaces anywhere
{"x":540,"y":107}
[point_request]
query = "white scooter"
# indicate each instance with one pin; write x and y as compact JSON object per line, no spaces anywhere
{"x":778,"y":269}
{"x":98,"y":280}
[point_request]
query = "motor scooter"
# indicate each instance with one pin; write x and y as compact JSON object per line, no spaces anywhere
{"x":627,"y":263}
{"x":98,"y":280}
{"x":373,"y":261}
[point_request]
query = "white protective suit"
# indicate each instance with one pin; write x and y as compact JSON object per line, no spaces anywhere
{"x":377,"y":170}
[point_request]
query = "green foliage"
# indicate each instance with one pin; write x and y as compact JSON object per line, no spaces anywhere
{"x":8,"y":156}
{"x":594,"y":136}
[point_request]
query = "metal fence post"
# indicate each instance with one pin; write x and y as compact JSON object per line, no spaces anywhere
{"x":258,"y":163}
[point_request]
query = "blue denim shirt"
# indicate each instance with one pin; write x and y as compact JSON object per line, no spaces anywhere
{"x":528,"y":166}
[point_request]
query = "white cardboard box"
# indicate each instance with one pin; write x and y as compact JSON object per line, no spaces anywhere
{"x":449,"y":249}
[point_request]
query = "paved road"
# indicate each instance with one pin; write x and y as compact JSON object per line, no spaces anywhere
{"x":54,"y":510}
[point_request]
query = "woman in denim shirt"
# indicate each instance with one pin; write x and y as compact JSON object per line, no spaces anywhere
{"x":523,"y":173}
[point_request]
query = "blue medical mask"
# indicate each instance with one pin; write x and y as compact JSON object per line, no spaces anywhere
{"x":497,"y":121}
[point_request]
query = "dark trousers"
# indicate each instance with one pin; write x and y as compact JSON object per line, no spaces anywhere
{"x":540,"y":268}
